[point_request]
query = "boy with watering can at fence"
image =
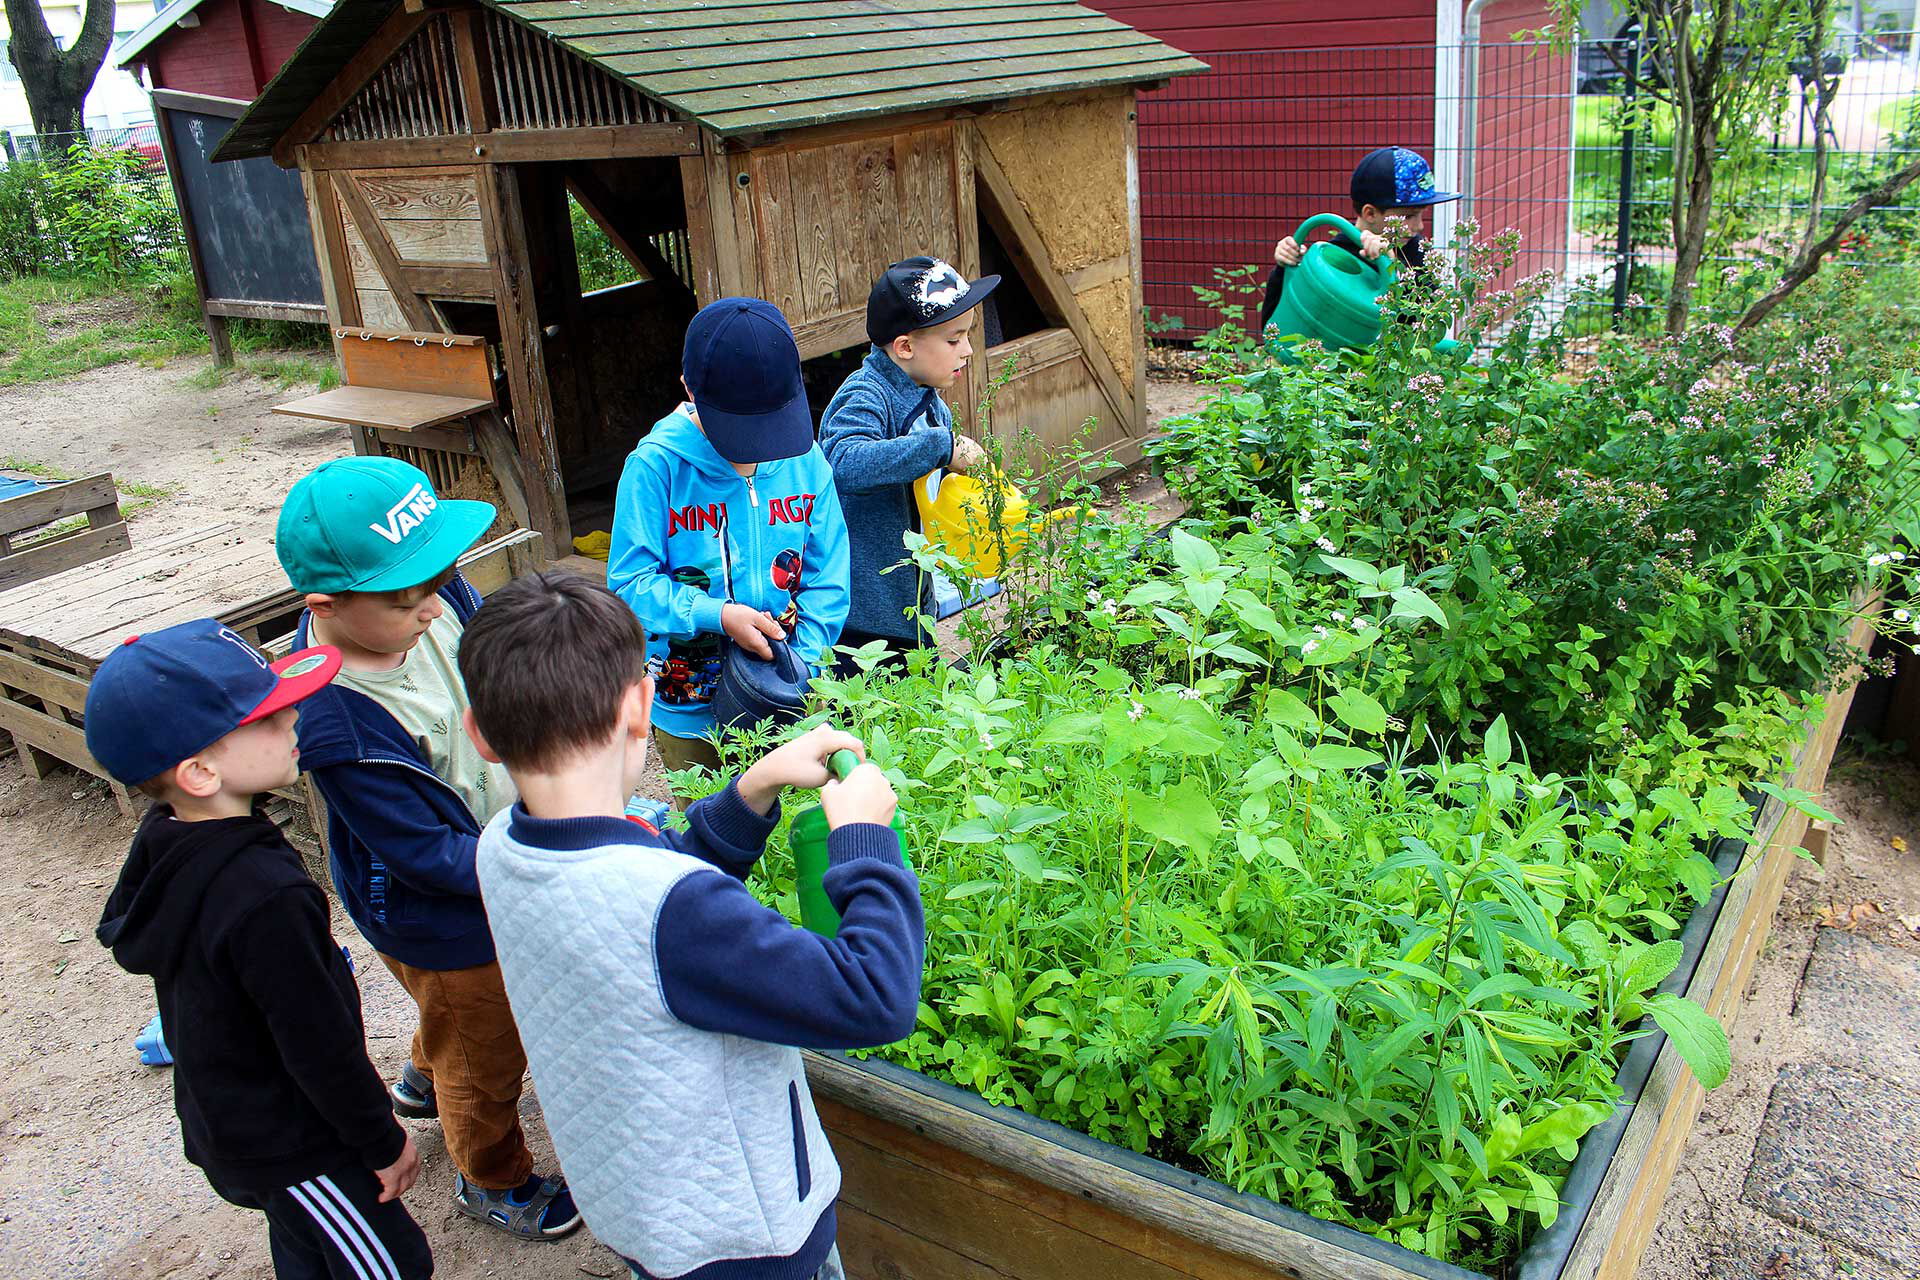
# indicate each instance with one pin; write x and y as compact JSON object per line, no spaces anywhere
{"x":1390,"y":182}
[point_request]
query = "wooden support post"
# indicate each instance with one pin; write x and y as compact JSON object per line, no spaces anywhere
{"x":1137,"y":326}
{"x":336,"y":273}
{"x":966,"y":216}
{"x":536,"y":457}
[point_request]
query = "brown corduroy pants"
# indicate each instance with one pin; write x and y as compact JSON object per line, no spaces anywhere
{"x":468,"y":1046}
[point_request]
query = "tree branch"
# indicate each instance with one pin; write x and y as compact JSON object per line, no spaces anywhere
{"x":1807,"y":264}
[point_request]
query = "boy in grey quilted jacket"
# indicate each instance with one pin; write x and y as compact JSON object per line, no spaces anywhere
{"x":659,"y":1002}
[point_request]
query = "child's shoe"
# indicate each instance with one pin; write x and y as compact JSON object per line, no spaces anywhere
{"x":538,"y":1209}
{"x":412,"y":1095}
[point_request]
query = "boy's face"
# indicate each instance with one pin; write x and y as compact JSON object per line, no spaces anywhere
{"x":379,"y":622}
{"x":936,"y":357}
{"x":257,"y":757}
{"x":1373,"y":218}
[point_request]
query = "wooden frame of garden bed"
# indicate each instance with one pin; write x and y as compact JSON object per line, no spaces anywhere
{"x":940,"y":1185}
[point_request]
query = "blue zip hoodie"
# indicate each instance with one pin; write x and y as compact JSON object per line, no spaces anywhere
{"x":882,"y":431}
{"x":400,"y":842}
{"x":690,"y":533}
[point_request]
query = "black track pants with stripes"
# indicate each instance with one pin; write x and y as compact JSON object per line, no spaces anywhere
{"x":334,"y":1227}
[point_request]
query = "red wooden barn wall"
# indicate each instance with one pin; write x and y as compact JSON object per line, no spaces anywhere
{"x":1235,"y":158}
{"x":235,"y":50}
{"x":1523,"y":175}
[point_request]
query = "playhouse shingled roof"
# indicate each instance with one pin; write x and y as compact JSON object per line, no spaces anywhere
{"x":758,"y":66}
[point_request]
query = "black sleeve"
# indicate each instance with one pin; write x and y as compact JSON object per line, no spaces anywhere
{"x":1276,"y":284}
{"x":284,"y":957}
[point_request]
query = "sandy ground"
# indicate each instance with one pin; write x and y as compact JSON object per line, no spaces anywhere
{"x":219,"y":454}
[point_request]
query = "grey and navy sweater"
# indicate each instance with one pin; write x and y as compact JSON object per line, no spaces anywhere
{"x":881,"y":432}
{"x":659,"y":1004}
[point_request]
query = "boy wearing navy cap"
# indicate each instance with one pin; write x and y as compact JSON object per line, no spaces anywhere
{"x":1390,"y":182}
{"x":277,"y":1101}
{"x":726,"y":525}
{"x":887,"y":426}
{"x":374,"y":549}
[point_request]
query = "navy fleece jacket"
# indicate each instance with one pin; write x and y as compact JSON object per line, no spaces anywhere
{"x":881,"y":432}
{"x":400,"y":841}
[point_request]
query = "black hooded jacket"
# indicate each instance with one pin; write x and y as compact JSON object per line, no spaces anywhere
{"x":261,"y":1013}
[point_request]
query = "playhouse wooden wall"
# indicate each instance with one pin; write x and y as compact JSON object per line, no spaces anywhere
{"x":809,"y":221}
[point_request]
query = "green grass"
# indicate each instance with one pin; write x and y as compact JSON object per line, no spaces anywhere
{"x":53,"y":328}
{"x":142,"y":494}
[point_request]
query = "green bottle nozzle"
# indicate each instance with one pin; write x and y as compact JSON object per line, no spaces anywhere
{"x":807,"y":838}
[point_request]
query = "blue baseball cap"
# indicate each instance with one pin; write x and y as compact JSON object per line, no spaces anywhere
{"x":1396,"y":178}
{"x":161,"y":698}
{"x":742,"y":368}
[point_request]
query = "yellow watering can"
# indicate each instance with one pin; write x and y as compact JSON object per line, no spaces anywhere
{"x":956,"y":513}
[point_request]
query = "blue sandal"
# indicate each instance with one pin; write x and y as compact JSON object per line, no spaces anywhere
{"x":538,"y":1209}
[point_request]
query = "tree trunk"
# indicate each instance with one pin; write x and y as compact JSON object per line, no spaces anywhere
{"x":56,"y":82}
{"x":1692,"y":245}
{"x":1808,"y":263}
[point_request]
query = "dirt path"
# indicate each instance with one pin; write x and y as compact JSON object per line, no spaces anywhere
{"x":214,"y":453}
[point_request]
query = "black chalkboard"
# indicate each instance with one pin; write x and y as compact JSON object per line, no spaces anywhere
{"x":249,"y":216}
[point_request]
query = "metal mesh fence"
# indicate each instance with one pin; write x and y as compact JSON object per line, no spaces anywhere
{"x":1535,"y":139}
{"x":141,"y":139}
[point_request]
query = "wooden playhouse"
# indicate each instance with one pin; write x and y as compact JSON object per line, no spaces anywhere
{"x":788,"y":149}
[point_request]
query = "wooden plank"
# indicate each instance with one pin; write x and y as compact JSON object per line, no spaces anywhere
{"x":381,"y":407}
{"x":36,"y":731}
{"x":1069,"y":1179}
{"x":373,"y":237}
{"x":55,"y":688}
{"x":330,"y":252}
{"x":701,"y":242}
{"x":49,"y":556}
{"x":451,"y":245}
{"x":377,"y":307}
{"x":326,"y":104}
{"x":205,"y":104}
{"x":913,"y":161}
{"x":774,"y":236}
{"x":978,"y":1216}
{"x":1034,"y":352}
{"x":831,"y":332}
{"x":298,"y":312}
{"x":1021,"y":238}
{"x":538,"y":458}
{"x":816,"y":230}
{"x":431,"y":195}
{"x":733,"y":206}
{"x":870,"y":1247}
{"x":430,"y":363}
{"x":966,"y":226}
{"x":57,"y":502}
{"x":440,"y":439}
{"x":509,"y":146}
{"x":473,"y":59}
{"x":1093,"y":275}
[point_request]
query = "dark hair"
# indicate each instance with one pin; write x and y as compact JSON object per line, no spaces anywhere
{"x":405,"y":595}
{"x":546,"y":661}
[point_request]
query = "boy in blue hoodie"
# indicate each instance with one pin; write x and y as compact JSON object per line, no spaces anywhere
{"x":726,"y":524}
{"x":887,"y":426}
{"x":406,"y":795}
{"x":659,"y":1000}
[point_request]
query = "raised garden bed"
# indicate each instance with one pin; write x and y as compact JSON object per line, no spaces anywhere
{"x":940,"y":1185}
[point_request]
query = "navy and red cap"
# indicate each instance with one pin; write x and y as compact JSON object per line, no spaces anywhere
{"x":163,"y":697}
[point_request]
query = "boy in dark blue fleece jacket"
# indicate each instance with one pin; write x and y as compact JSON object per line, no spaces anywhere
{"x":406,"y":795}
{"x":887,"y":426}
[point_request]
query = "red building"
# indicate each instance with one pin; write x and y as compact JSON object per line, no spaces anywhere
{"x":1232,"y":160}
{"x":205,"y":61}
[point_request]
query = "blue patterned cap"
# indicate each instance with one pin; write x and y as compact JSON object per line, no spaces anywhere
{"x":1396,"y":178}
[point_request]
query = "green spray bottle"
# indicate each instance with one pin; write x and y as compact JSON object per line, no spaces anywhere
{"x":807,"y":837}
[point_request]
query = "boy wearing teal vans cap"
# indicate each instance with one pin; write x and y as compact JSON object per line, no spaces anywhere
{"x":374,"y":550}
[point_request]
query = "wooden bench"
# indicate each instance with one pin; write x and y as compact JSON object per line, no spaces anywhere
{"x":24,"y":558}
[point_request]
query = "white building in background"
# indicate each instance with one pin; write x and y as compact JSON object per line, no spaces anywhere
{"x":117,"y":98}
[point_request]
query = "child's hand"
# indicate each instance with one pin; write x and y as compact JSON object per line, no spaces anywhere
{"x":1372,"y":246}
{"x":800,"y":763}
{"x":750,"y":628}
{"x":967,"y":454}
{"x":865,"y":796}
{"x":400,"y":1175}
{"x":1288,"y":253}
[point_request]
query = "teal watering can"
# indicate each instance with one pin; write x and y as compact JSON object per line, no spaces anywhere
{"x":1330,"y":296}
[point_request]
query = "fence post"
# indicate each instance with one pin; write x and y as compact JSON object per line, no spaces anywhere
{"x":1623,"y":239}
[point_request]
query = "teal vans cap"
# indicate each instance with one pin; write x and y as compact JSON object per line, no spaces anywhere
{"x":372,"y":524}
